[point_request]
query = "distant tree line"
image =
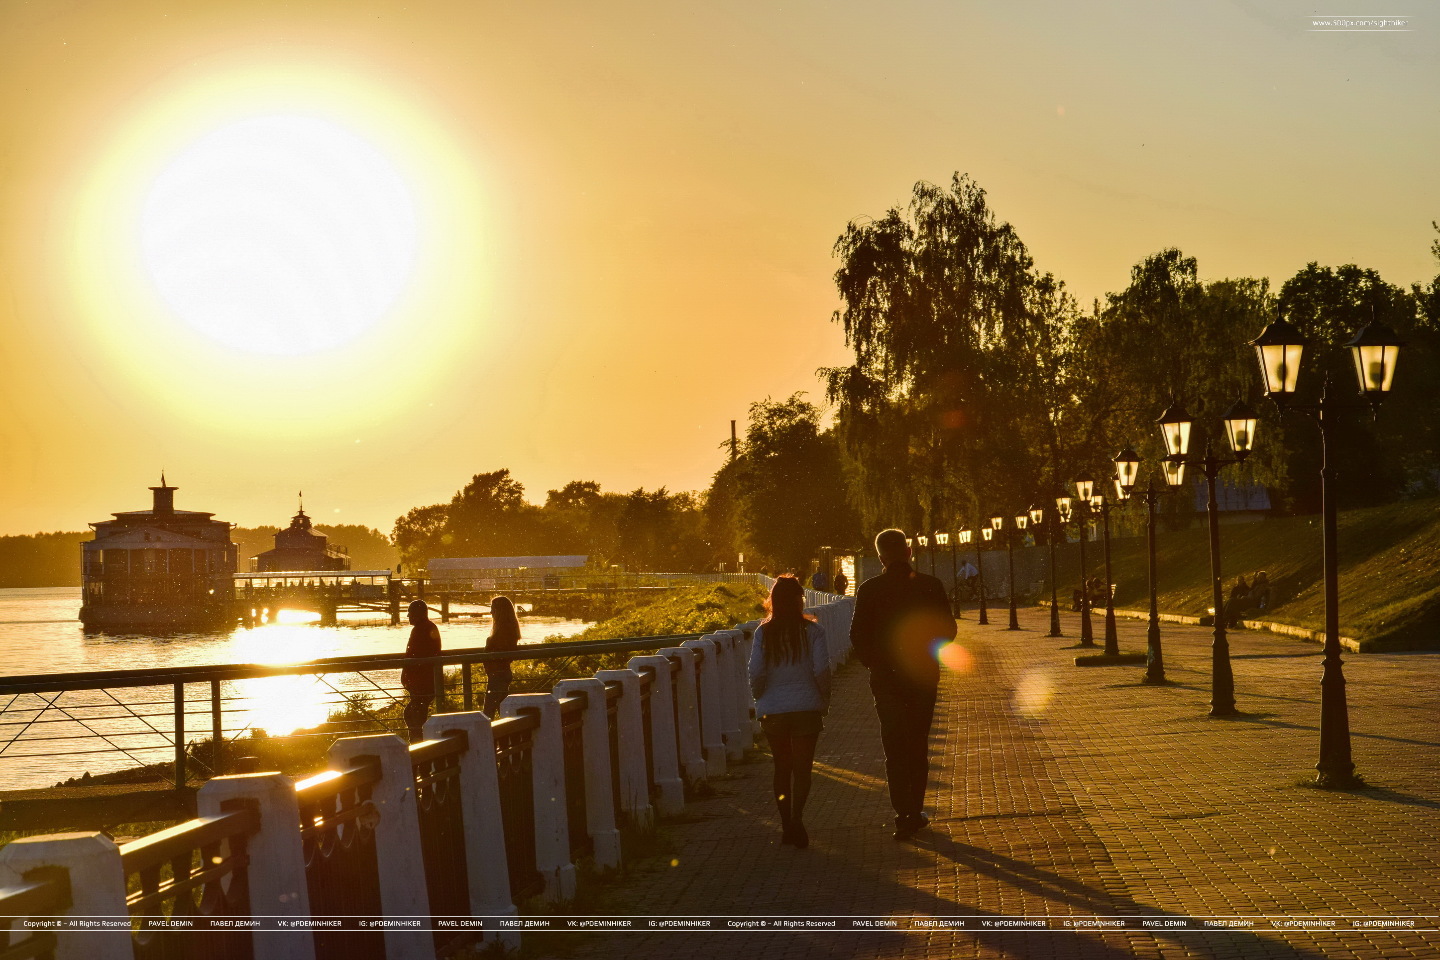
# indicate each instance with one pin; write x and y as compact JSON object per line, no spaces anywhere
{"x":490,"y":517}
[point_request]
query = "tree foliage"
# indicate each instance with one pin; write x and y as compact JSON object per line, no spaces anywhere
{"x":790,"y":487}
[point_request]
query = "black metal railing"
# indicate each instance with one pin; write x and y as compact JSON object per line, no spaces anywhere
{"x":342,"y":875}
{"x":572,"y":732}
{"x":196,"y":871}
{"x":436,"y":765}
{"x":613,"y":692}
{"x":193,"y":718}
{"x":514,"y":753}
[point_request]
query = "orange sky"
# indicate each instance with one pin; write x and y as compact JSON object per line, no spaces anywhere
{"x":626,"y":214}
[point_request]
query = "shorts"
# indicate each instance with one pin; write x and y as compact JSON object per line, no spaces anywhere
{"x":801,"y":723}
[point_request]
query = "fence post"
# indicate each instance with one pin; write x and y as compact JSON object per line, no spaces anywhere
{"x":662,"y":733}
{"x":485,"y":860}
{"x":712,"y":739}
{"x":599,"y":799}
{"x":277,"y":853}
{"x":180,"y":774}
{"x":749,"y":721}
{"x":729,"y":716}
{"x":97,"y":887}
{"x":687,"y":730}
{"x":740,"y":690}
{"x":547,"y":763}
{"x":403,"y":892}
{"x":630,"y":721}
{"x":217,"y":732}
{"x":844,"y":611}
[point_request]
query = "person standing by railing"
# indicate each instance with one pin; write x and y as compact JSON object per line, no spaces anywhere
{"x":790,"y":679}
{"x":419,"y":679}
{"x":504,"y":635}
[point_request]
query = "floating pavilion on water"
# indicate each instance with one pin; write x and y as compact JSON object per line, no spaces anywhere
{"x":160,"y":568}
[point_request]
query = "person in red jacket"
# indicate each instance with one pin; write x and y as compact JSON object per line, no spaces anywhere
{"x":419,"y":679}
{"x":901,"y":619}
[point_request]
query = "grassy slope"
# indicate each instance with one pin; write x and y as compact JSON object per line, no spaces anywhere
{"x":1389,"y":571}
{"x":699,"y":609}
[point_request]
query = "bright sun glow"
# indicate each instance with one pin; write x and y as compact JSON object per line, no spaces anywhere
{"x":280,"y":235}
{"x":252,"y":249}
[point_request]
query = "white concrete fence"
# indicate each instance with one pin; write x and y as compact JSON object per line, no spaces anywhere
{"x":483,"y":814}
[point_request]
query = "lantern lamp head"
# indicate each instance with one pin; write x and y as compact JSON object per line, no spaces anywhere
{"x":1375,"y":349}
{"x":1175,"y":425}
{"x":1279,"y":349}
{"x":1084,"y":486}
{"x":1174,"y":472}
{"x":1127,"y":469}
{"x":1240,"y":428}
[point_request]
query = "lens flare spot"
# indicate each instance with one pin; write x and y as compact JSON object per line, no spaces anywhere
{"x":1033,"y":693}
{"x":956,"y":658}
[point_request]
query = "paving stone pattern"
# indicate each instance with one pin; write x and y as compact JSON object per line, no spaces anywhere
{"x":1074,"y":792}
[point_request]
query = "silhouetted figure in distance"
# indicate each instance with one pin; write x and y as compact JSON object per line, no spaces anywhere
{"x":419,"y":679}
{"x":504,"y":635}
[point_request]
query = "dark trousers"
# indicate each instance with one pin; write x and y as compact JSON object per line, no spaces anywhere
{"x":905,"y":715}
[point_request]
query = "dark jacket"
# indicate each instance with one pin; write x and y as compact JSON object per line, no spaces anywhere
{"x":901,"y":619}
{"x":419,"y":679}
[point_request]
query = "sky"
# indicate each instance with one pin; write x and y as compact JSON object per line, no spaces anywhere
{"x":368,"y":249}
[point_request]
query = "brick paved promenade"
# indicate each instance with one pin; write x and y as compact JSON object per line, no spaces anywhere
{"x":1062,"y":791}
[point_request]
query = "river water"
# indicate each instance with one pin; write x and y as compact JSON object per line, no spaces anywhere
{"x":41,"y":744}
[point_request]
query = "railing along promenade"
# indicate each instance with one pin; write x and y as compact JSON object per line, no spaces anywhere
{"x":440,"y":838}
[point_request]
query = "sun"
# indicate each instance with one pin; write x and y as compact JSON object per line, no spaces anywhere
{"x":280,"y":235}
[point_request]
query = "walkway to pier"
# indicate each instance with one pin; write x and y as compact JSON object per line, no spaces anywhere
{"x":1080,"y":792}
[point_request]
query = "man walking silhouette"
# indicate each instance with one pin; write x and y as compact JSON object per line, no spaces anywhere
{"x":901,"y":619}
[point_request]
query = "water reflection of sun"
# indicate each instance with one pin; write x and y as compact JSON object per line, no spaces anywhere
{"x":282,"y":705}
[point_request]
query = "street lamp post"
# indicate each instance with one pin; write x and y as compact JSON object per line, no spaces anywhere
{"x":925,"y":542}
{"x":1175,"y":428}
{"x":1084,"y":489}
{"x":943,"y":539}
{"x":1020,"y":521}
{"x":1374,"y":349}
{"x":1102,"y":506}
{"x":997,"y":522}
{"x":965,"y":538}
{"x":1127,"y":468}
{"x":986,"y":533}
{"x":1037,"y":517}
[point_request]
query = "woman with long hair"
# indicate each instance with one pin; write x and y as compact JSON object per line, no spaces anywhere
{"x":504,"y":635}
{"x":790,"y":678}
